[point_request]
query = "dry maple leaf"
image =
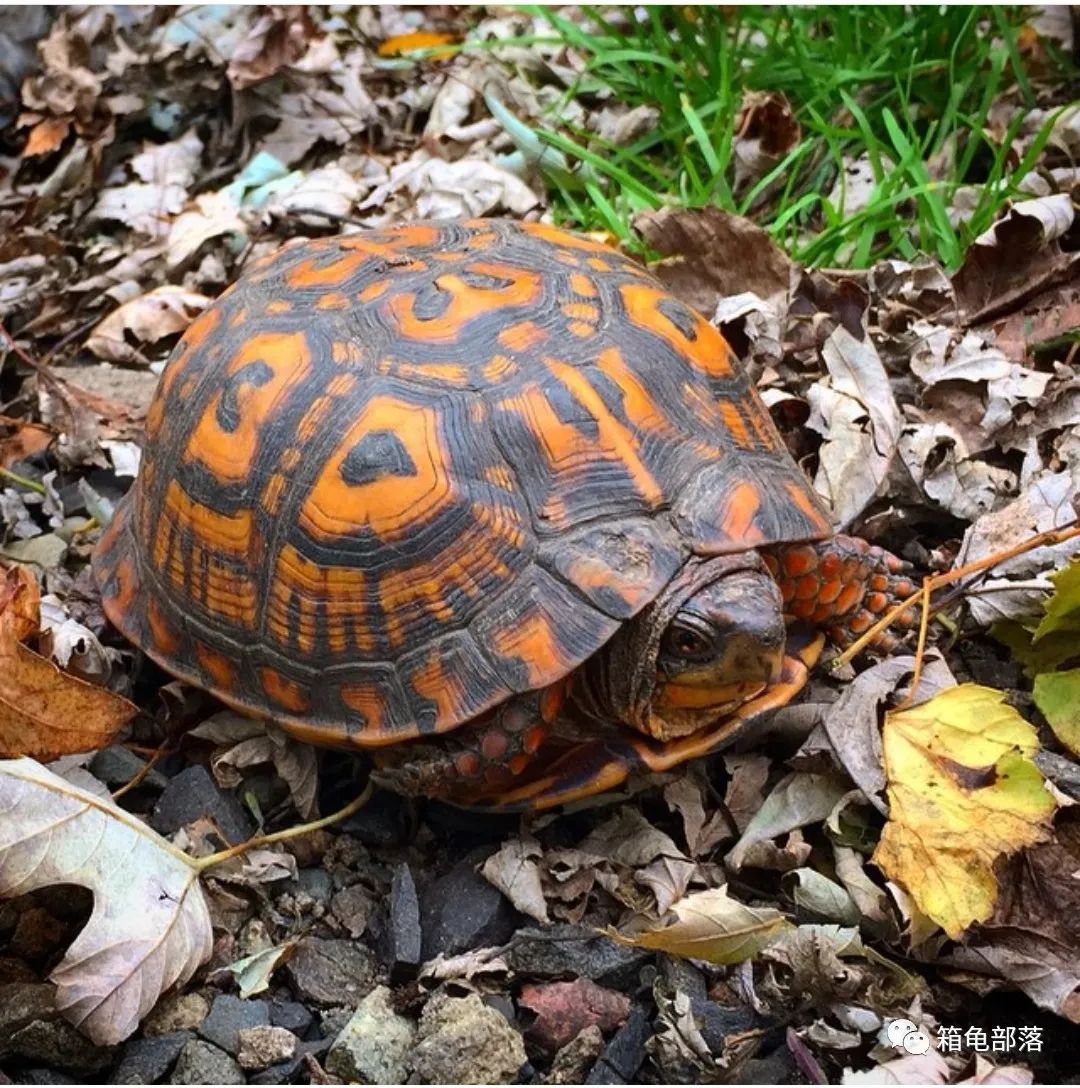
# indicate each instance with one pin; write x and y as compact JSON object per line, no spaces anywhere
{"x":44,"y":711}
{"x":150,"y":927}
{"x":963,"y":792}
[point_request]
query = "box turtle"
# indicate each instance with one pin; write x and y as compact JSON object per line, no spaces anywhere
{"x":485,"y":498}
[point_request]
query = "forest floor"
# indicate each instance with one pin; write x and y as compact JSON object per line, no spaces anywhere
{"x":901,"y":277}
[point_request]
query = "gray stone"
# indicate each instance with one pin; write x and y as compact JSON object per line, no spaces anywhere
{"x":463,"y":1041}
{"x":193,"y":794}
{"x":22,"y":1003}
{"x":147,"y":1060}
{"x":401,"y":939}
{"x":461,"y":911}
{"x":292,"y":1015}
{"x":384,"y":822}
{"x":203,"y":1063}
{"x":569,"y":951}
{"x":375,"y":1045}
{"x":229,"y":1015}
{"x":625,"y":1052}
{"x":264,"y":1046}
{"x":117,"y":766}
{"x":332,"y":972}
{"x":62,"y":1045}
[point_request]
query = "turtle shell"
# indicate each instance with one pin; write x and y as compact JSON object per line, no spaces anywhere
{"x":393,"y":477}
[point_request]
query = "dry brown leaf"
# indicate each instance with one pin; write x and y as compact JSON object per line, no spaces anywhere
{"x":710,"y":254}
{"x":711,"y":926}
{"x":513,"y":870}
{"x":858,"y":417}
{"x":247,"y":742}
{"x":150,"y":928}
{"x":162,"y":312}
{"x":44,"y":711}
{"x":46,"y":136}
{"x":23,"y":594}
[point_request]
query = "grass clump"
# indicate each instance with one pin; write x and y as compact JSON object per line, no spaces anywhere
{"x":902,"y":104}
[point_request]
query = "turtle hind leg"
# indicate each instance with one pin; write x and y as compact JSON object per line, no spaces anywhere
{"x":487,"y":754}
{"x":844,"y":586}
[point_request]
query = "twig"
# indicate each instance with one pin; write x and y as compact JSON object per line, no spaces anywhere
{"x":202,"y":864}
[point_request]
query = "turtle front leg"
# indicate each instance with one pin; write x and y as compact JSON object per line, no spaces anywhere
{"x":483,"y":756}
{"x":842,"y":585}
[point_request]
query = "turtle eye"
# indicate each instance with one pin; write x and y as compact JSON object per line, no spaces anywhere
{"x":686,"y":643}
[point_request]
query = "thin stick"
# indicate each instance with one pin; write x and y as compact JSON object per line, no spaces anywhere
{"x":938,"y":581}
{"x":143,"y":771}
{"x":202,"y":864}
{"x":22,"y":481}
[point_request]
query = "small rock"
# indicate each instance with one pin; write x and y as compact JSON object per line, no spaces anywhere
{"x":569,"y":951}
{"x":716,"y":1022}
{"x":176,"y":1012}
{"x":204,"y":1063}
{"x":462,"y":1041}
{"x":265,"y":1046}
{"x":64,"y":1047}
{"x":382,"y":823}
{"x":564,"y":1009}
{"x":292,"y":1015}
{"x":776,"y":1068}
{"x":332,"y":972}
{"x":400,"y":939}
{"x":117,"y":766}
{"x":37,"y":935}
{"x":147,"y":1060}
{"x":352,"y":907}
{"x":573,"y":1061}
{"x":193,"y":794}
{"x":44,"y":1076}
{"x":461,"y":911}
{"x":332,"y":1021}
{"x":21,"y":1003}
{"x":625,"y":1052}
{"x":375,"y":1045}
{"x":316,"y":883}
{"x":291,"y":1071}
{"x":229,"y":1016}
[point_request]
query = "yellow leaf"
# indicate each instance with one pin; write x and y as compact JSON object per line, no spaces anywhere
{"x":711,"y":926}
{"x":963,"y":792}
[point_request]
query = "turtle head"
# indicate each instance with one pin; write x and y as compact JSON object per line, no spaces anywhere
{"x":711,"y":642}
{"x":722,"y":647}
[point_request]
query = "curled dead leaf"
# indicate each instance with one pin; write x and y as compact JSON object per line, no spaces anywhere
{"x":162,"y":312}
{"x":710,"y":926}
{"x":44,"y":711}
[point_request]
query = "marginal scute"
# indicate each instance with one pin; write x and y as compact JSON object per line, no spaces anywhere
{"x":394,"y":477}
{"x":619,"y":567}
{"x":729,"y":507}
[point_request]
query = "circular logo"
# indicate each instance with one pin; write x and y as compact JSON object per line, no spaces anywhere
{"x":903,"y":1034}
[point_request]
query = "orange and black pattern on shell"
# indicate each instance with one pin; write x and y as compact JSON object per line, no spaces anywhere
{"x":393,"y":477}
